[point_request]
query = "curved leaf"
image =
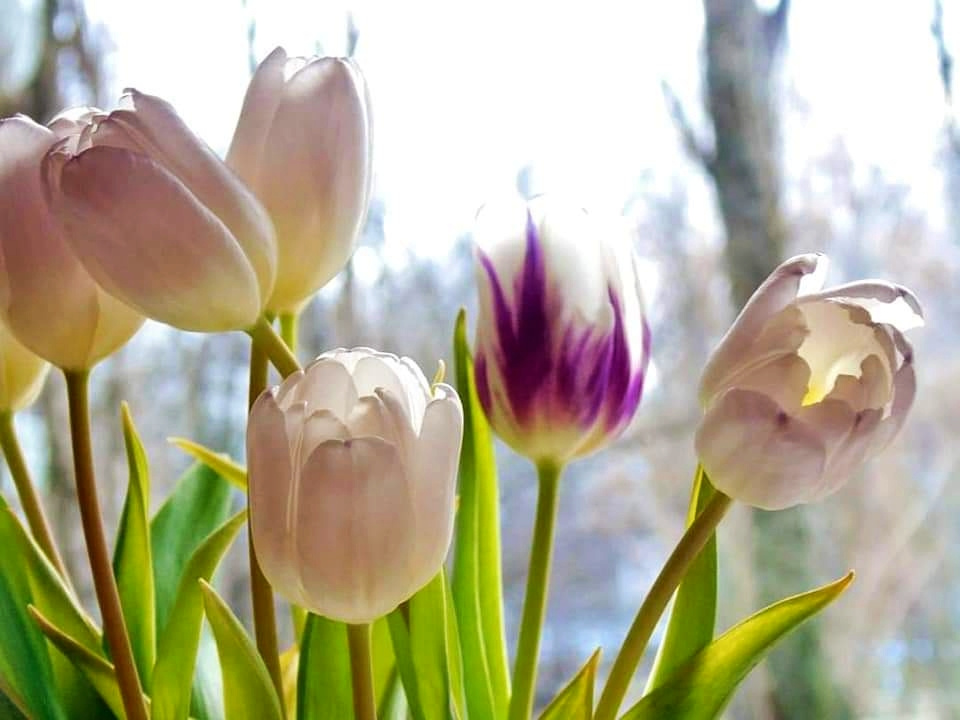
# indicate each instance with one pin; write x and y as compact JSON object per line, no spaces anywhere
{"x":221,"y":463}
{"x":575,"y":701}
{"x":248,"y":691}
{"x":180,"y":638}
{"x":324,"y":683}
{"x":132,"y":557}
{"x":701,"y":688}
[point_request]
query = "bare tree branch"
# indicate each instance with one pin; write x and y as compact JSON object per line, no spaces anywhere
{"x":697,"y":148}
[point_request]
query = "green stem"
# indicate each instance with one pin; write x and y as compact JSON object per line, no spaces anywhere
{"x":361,"y":669}
{"x":265,"y":338}
{"x":535,"y":600}
{"x":104,"y":583}
{"x":288,"y":329}
{"x":680,"y":560}
{"x":29,"y":501}
{"x":261,"y":594}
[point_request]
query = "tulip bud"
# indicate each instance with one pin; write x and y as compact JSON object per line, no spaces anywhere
{"x":21,"y":374}
{"x":303,"y":144}
{"x":352,"y":468}
{"x":157,"y":219}
{"x":47,"y":298}
{"x":562,"y":343}
{"x":806,"y":385}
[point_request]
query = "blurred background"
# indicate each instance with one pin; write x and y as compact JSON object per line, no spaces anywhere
{"x":731,"y":134}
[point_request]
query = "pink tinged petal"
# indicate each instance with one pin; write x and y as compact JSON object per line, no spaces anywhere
{"x":153,"y":125}
{"x":314,"y":176}
{"x":318,"y":427}
{"x":434,"y":477}
{"x":885,"y":302}
{"x":325,"y":384}
{"x":372,"y":372}
{"x":355,"y":539}
{"x":144,"y":237}
{"x":381,"y":415}
{"x":857,"y":447}
{"x":270,"y":473}
{"x":259,"y":107}
{"x":904,"y":392}
{"x":47,"y":298}
{"x":756,"y":453}
{"x":778,"y":291}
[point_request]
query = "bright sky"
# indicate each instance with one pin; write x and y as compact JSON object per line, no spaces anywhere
{"x":467,"y":93}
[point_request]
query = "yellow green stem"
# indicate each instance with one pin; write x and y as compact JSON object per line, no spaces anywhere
{"x":266,"y":340}
{"x":686,"y":551}
{"x":361,"y":669}
{"x":288,"y":329}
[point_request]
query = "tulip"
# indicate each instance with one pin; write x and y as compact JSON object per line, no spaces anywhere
{"x":21,"y":374}
{"x":562,"y":343}
{"x":303,"y":144}
{"x":806,"y":385}
{"x":157,"y":219}
{"x":352,"y":469}
{"x":48,"y":300}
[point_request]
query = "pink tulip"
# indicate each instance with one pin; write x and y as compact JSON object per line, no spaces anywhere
{"x":48,"y":300}
{"x":303,"y":144}
{"x":157,"y":219}
{"x":806,"y":385}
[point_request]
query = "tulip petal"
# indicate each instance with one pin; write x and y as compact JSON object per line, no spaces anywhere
{"x":144,"y":237}
{"x":270,"y":473}
{"x":777,"y":291}
{"x":381,"y":415}
{"x":374,"y":372}
{"x":904,"y":392}
{"x":21,"y":373}
{"x":887,"y":303}
{"x":355,"y":557}
{"x":259,"y":107}
{"x":325,"y":384}
{"x":319,"y":426}
{"x":756,"y":453}
{"x":857,"y":445}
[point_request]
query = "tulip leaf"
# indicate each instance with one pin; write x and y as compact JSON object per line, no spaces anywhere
{"x":248,"y":691}
{"x":324,"y":683}
{"x":97,"y":669}
{"x":575,"y":701}
{"x":180,"y":638}
{"x":12,"y":708}
{"x":701,"y":688}
{"x":476,"y":581}
{"x":400,"y":636}
{"x":394,"y":703}
{"x":221,"y":463}
{"x":384,"y":662}
{"x":694,"y":614}
{"x":132,"y":557}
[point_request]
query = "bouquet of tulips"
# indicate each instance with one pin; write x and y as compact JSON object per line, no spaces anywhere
{"x":361,"y":474}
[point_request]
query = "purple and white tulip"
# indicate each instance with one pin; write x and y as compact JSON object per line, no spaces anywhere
{"x":562,"y":343}
{"x":806,"y":385}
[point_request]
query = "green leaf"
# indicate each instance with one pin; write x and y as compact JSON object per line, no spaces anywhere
{"x":132,"y":557}
{"x":394,"y":704}
{"x":221,"y":463}
{"x":248,"y":691}
{"x":180,"y":638}
{"x":384,"y":662}
{"x":400,"y":636}
{"x":97,"y":669}
{"x":477,"y":586}
{"x":575,"y":701}
{"x":701,"y":688}
{"x":11,"y":707}
{"x":694,"y":614}
{"x":324,"y":683}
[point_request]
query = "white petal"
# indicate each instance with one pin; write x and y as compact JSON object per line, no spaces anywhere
{"x":326,"y":384}
{"x":886,"y":302}
{"x":320,"y":426}
{"x":382,"y":415}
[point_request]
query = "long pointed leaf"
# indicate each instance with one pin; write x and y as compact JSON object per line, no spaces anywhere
{"x":324,"y":683}
{"x":701,"y":688}
{"x":132,"y":556}
{"x":477,"y":585}
{"x":221,"y":463}
{"x":180,"y":639}
{"x":247,"y":688}
{"x":575,"y":701}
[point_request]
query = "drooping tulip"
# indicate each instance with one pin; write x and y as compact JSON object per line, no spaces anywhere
{"x":48,"y":300}
{"x":21,"y":373}
{"x":562,"y":342}
{"x":157,"y":218}
{"x":352,"y":469}
{"x":303,"y":144}
{"x":806,"y":385}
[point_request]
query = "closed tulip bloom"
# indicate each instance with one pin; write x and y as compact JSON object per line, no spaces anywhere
{"x":48,"y":300}
{"x":21,"y":374}
{"x":303,"y":144}
{"x":157,"y":218}
{"x":352,"y":467}
{"x":562,"y":343}
{"x":806,"y":385}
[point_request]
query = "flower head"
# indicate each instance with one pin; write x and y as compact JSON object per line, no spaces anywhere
{"x":562,"y":342}
{"x":806,"y":385}
{"x":352,"y":465}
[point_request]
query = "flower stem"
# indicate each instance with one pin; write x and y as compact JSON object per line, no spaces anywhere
{"x":361,"y":668}
{"x":265,"y":338}
{"x":29,"y":501}
{"x":261,"y":594}
{"x":535,"y":600}
{"x":288,"y":329}
{"x":674,"y":570}
{"x":103,"y":581}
